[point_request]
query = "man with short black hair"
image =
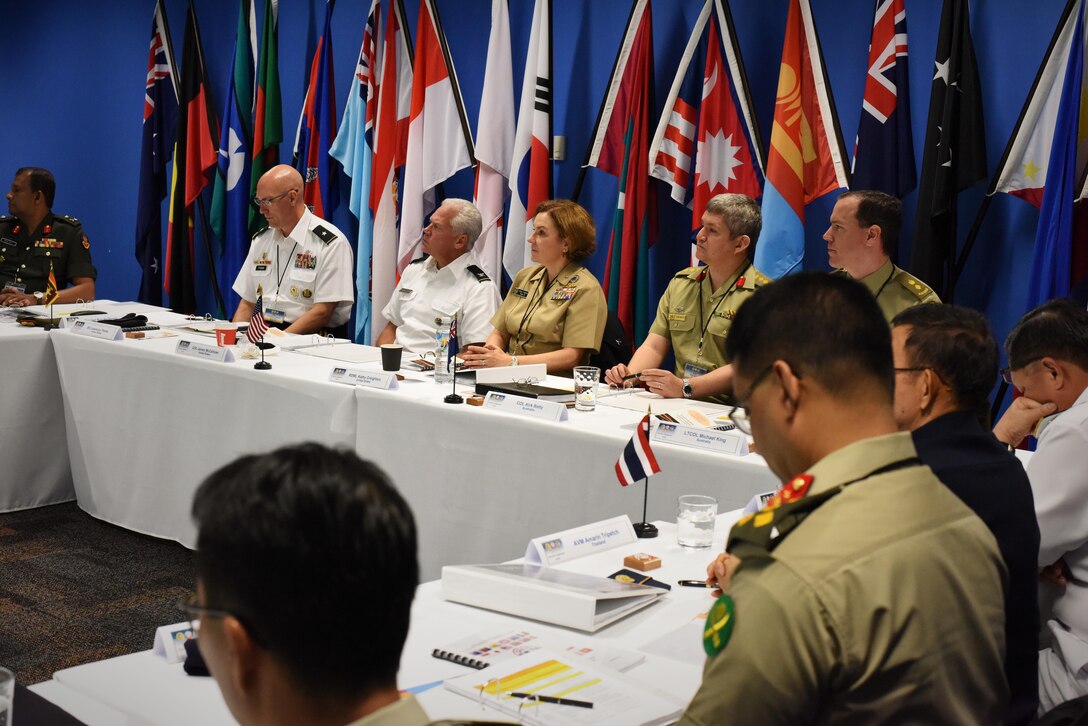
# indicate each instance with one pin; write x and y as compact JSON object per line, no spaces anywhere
{"x":866,"y":591}
{"x":945,"y":367}
{"x":862,"y":238}
{"x":306,"y":570}
{"x":448,"y":283}
{"x":1048,"y":364}
{"x":35,"y":242}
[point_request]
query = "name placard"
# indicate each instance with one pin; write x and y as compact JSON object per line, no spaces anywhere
{"x":170,"y":641}
{"x":585,"y":540}
{"x":384,"y":380}
{"x":205,"y":351}
{"x":92,"y":329}
{"x":722,"y":442}
{"x":547,"y":410}
{"x":68,"y":321}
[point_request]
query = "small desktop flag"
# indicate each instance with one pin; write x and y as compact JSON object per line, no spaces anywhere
{"x":454,"y":348}
{"x":257,"y":325}
{"x":637,"y":461}
{"x":50,"y":288}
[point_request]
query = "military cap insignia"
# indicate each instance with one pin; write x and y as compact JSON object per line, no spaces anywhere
{"x":480,"y":275}
{"x":325,"y":235}
{"x":719,"y":625}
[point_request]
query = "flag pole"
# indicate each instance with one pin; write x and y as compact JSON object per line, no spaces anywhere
{"x":961,"y":259}
{"x":643,"y":529}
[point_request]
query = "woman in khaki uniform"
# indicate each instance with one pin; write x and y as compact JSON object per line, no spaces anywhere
{"x":555,"y":311}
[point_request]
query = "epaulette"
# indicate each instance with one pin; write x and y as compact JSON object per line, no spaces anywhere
{"x":481,"y":276}
{"x":259,"y":232}
{"x":326,"y":236}
{"x":69,"y":220}
{"x":912,"y":283}
{"x":690,"y":272}
{"x":421,"y":258}
{"x":762,"y":279}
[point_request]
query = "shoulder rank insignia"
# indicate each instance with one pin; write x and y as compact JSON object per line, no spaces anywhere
{"x":481,"y":276}
{"x":912,"y":283}
{"x":421,"y":258}
{"x":719,"y":625}
{"x":63,"y":218}
{"x":762,"y":279}
{"x":259,"y":232}
{"x":326,"y":236}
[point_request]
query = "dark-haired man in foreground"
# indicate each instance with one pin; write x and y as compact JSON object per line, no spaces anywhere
{"x":866,"y":591}
{"x":306,"y":569}
{"x":945,"y":367}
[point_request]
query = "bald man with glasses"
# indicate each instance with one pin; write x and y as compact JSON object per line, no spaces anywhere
{"x":301,"y":263}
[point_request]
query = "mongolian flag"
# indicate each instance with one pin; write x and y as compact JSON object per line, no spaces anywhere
{"x":317,"y":129}
{"x":230,"y":195}
{"x":531,"y":182}
{"x":955,"y":147}
{"x":160,"y":121}
{"x":707,"y":142}
{"x":638,"y":460}
{"x":884,"y":151}
{"x":267,"y":112}
{"x":621,"y":147}
{"x":194,"y":155}
{"x":439,"y":139}
{"x":806,"y":158}
{"x":353,"y":148}
{"x":390,"y":150}
{"x":495,"y":141}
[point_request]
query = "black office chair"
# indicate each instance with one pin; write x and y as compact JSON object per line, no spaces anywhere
{"x":615,"y":345}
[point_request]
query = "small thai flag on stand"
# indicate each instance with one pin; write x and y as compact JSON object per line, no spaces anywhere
{"x":637,"y":461}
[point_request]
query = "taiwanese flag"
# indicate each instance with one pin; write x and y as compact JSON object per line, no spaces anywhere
{"x":160,"y":121}
{"x":195,"y":153}
{"x":884,"y":151}
{"x":707,"y":141}
{"x":317,"y":129}
{"x":806,"y":155}
{"x":620,"y":146}
{"x":267,"y":111}
{"x":531,"y":180}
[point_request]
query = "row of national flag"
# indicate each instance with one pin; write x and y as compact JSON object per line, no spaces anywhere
{"x":404,"y":132}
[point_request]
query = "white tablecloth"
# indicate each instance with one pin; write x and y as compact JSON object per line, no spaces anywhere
{"x":482,"y":483}
{"x":146,"y":425}
{"x":34,"y":469}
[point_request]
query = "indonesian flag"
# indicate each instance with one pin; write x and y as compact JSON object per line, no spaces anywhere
{"x":390,"y":148}
{"x":531,"y":182}
{"x":439,"y":140}
{"x":638,"y":460}
{"x":495,"y":141}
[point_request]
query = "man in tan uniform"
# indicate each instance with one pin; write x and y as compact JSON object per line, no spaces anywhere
{"x":863,"y":233}
{"x":866,"y":592}
{"x":698,"y":306}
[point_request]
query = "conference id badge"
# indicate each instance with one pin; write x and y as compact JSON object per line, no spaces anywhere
{"x":273,"y":315}
{"x":693,"y":371}
{"x":19,"y":287}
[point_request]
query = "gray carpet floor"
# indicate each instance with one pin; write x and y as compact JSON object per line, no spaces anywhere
{"x":74,"y":589}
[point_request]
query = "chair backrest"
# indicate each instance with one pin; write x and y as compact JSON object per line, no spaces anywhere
{"x":615,"y":345}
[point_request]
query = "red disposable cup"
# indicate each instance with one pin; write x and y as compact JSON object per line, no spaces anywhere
{"x":226,"y":336}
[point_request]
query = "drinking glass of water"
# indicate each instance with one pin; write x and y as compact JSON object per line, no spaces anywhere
{"x":695,"y":521}
{"x":585,"y":387}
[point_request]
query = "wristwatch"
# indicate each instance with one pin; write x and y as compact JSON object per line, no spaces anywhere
{"x":513,"y":360}
{"x":687,"y":388}
{"x":39,"y":295}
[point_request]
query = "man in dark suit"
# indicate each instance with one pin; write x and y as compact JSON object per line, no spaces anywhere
{"x":945,"y":366}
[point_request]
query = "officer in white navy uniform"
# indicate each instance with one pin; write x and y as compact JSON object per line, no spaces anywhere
{"x":301,"y":262}
{"x":448,"y":283}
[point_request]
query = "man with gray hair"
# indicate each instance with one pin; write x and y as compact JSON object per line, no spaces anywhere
{"x":698,"y":306}
{"x":449,"y":283}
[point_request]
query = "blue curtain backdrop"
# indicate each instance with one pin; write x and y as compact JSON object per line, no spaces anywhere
{"x":72,"y":76}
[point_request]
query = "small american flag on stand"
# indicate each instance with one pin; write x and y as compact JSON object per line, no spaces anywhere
{"x":257,"y":325}
{"x":637,"y":461}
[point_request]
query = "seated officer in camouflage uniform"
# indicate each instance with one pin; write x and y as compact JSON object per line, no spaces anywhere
{"x":34,"y":241}
{"x":863,"y":233}
{"x":699,"y":304}
{"x":865,"y":591}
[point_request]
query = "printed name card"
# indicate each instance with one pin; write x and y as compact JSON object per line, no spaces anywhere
{"x":384,"y":380}
{"x":68,"y":321}
{"x":722,"y":442}
{"x":581,"y":541}
{"x":205,"y":351}
{"x":170,"y":641}
{"x":92,"y":329}
{"x":547,"y":410}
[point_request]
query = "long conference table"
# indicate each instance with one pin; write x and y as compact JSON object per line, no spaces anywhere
{"x":145,"y":425}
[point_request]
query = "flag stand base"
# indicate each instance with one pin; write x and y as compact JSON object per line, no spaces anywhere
{"x":453,"y":398}
{"x":645,"y":530}
{"x":263,"y":365}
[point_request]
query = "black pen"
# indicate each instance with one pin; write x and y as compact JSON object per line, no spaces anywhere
{"x":693,"y":583}
{"x":551,"y":699}
{"x":633,"y":375}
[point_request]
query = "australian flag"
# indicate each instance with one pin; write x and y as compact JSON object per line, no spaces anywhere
{"x":160,"y":124}
{"x":884,"y":152}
